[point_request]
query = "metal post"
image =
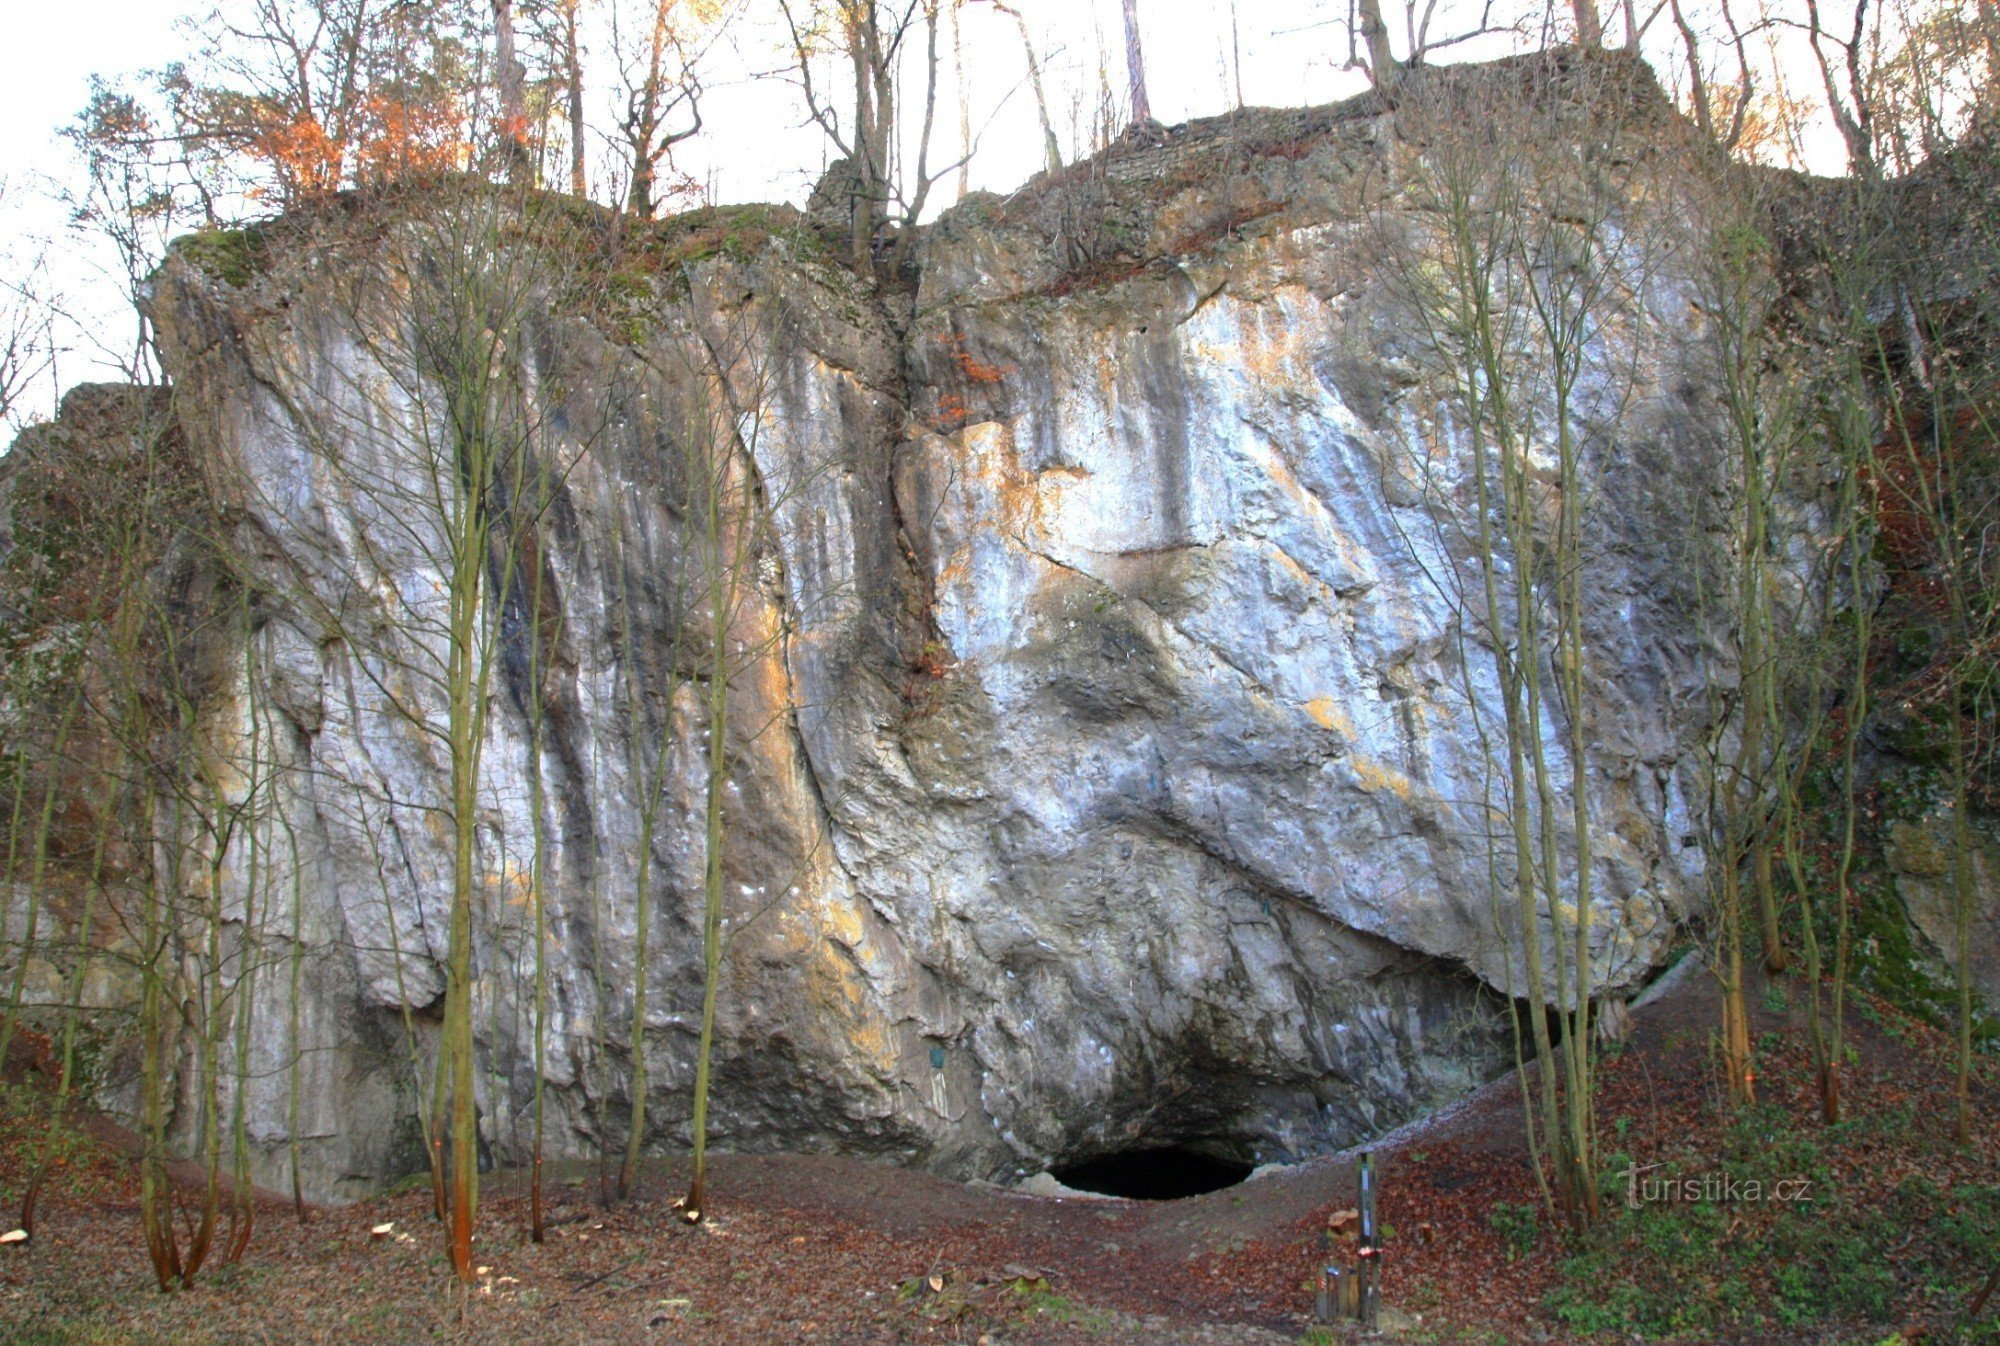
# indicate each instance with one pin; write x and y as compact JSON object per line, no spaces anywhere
{"x":1371,"y":1255}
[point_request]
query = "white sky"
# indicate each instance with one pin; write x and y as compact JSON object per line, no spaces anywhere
{"x":46,"y":60}
{"x":754,"y":146}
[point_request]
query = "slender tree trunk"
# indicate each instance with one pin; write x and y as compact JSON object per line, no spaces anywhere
{"x":59,"y":1108}
{"x":712,"y":898}
{"x":38,"y":873}
{"x":440,"y":1115}
{"x":1736,"y":1059}
{"x":155,"y":1187}
{"x":1235,"y":54}
{"x":1135,"y":66}
{"x":340,"y":121}
{"x":1791,"y":811}
{"x":883,"y":155}
{"x":642,"y":915}
{"x":1850,"y":804}
{"x":510,"y":78}
{"x":107,"y":817}
{"x":464,"y":1157}
{"x":1704,"y":114}
{"x":869,"y":171}
{"x":1578,"y":1092}
{"x":964,"y":102}
{"x":243,"y":1206}
{"x":1965,"y":895}
{"x":1051,"y":150}
{"x":538,"y":882}
{"x":1474,"y":317}
{"x":648,"y":111}
{"x":209,"y":997}
{"x":1763,"y":747}
{"x":579,"y":182}
{"x":293,"y":1045}
{"x":467,"y":554}
{"x":1543,"y":879}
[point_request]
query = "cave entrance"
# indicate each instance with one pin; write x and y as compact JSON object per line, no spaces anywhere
{"x":1159,"y":1173}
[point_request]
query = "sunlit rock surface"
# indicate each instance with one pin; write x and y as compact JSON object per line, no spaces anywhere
{"x":1115,"y":773}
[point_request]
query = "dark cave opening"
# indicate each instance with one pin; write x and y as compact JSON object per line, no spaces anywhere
{"x":1160,"y":1173}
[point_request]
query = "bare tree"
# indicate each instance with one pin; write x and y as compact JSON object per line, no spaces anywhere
{"x":28,"y":345}
{"x":558,"y":25}
{"x":1135,"y":66}
{"x":1724,"y":125}
{"x":442,"y":310}
{"x":1052,"y":151}
{"x":111,"y":518}
{"x":874,"y":35}
{"x":1842,"y":75}
{"x":726,"y":380}
{"x":301,"y":97}
{"x":1384,"y":70}
{"x":510,"y":78}
{"x":1530,"y":250}
{"x":1367,"y":26}
{"x":572,"y":51}
{"x":660,"y":85}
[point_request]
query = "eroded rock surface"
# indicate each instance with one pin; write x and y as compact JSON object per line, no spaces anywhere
{"x":1115,"y":771}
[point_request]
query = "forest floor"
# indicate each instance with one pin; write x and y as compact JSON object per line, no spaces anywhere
{"x":1889,"y":1238}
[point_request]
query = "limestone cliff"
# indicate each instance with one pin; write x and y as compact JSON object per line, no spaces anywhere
{"x":1116,"y":769}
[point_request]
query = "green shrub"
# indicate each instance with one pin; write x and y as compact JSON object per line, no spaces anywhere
{"x":1519,"y":1226}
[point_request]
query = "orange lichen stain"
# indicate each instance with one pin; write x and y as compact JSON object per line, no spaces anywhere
{"x":1330,"y":715}
{"x":1311,"y":506}
{"x":1272,"y":352}
{"x":872,"y":1041}
{"x":770,"y":681}
{"x":992,"y":462}
{"x":1297,"y":571}
{"x":1107,"y":378}
{"x":843,"y":923}
{"x":955,"y":571}
{"x":836,"y":988}
{"x":512,"y":878}
{"x":1374,"y":776}
{"x":1050,"y":489}
{"x":832,"y":371}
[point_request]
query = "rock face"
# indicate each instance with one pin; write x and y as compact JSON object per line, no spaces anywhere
{"x":1109,"y":767}
{"x":1921,"y":859}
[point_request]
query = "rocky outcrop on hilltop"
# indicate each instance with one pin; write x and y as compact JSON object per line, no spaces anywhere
{"x":1113,"y":768}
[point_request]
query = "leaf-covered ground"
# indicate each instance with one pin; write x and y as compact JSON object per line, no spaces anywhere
{"x":1895,"y":1231}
